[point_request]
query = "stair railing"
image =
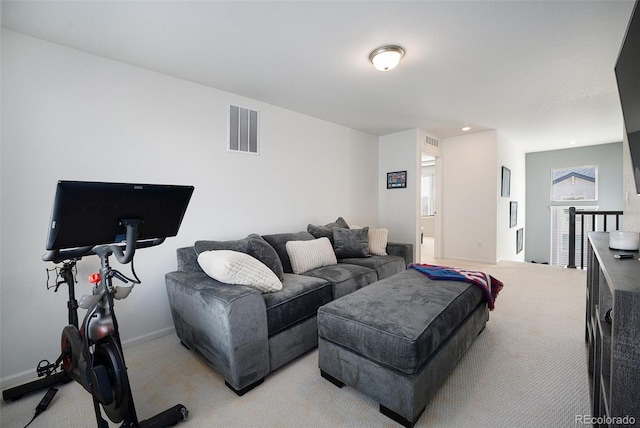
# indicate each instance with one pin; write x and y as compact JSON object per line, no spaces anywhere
{"x":595,"y":215}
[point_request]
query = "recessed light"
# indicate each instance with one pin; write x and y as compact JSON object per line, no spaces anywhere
{"x":571,"y":143}
{"x":466,"y":128}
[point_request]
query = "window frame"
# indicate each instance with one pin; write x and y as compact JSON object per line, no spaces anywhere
{"x":569,"y":171}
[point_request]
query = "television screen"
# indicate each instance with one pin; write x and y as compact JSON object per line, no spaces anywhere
{"x":90,"y":213}
{"x":627,"y":72}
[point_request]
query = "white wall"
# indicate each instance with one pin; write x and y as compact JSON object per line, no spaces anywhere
{"x":631,"y":217}
{"x":513,"y":157}
{"x":469,"y":198}
{"x":473,"y":221}
{"x":74,"y":116}
{"x":399,"y":209}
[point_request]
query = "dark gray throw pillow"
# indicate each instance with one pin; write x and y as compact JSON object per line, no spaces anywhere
{"x":340,"y":222}
{"x":326,"y":231}
{"x":349,"y":243}
{"x":254,"y":245}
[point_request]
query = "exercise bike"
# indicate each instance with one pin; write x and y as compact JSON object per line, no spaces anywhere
{"x":92,"y":354}
{"x":92,"y":351}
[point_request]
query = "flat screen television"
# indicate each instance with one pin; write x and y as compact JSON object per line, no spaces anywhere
{"x":91,"y":213}
{"x":627,"y":72}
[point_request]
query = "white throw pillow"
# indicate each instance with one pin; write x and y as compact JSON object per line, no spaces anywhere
{"x":233,"y":267}
{"x":378,"y":241}
{"x":307,"y":255}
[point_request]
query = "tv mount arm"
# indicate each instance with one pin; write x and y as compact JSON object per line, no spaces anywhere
{"x":123,"y":253}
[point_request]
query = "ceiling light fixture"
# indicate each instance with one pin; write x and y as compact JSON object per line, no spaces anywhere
{"x":386,"y":58}
{"x":466,"y":128}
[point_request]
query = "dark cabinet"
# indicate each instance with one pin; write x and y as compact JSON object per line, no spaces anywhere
{"x":612,"y":333}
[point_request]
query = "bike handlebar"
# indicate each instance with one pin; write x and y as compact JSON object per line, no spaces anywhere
{"x":119,"y":251}
{"x":124,"y":253}
{"x":57,"y":256}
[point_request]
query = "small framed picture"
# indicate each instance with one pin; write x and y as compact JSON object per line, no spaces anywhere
{"x":519,"y":239}
{"x":397,"y":180}
{"x":506,"y":182}
{"x":513,"y":222}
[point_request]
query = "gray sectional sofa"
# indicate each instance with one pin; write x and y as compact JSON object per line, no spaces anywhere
{"x":245,"y":334}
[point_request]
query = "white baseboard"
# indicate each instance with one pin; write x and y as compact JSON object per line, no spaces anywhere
{"x":30,"y":375}
{"x":147,"y":337}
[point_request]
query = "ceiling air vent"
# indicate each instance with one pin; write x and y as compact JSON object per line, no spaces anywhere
{"x":431,"y":141}
{"x":243,"y":130}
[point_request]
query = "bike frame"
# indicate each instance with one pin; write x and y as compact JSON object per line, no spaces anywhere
{"x":99,"y":365}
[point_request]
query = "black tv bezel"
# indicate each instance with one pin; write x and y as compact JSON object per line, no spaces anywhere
{"x":89,"y":213}
{"x":627,"y":73}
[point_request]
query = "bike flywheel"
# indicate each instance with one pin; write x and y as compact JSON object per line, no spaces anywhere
{"x":109,"y":355}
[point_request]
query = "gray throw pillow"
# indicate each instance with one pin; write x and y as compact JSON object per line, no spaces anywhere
{"x":340,"y":222}
{"x":349,"y":243}
{"x":254,"y":245}
{"x":326,"y":231}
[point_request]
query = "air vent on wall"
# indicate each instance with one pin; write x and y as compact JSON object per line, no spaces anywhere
{"x":243,"y":130}
{"x":431,"y":141}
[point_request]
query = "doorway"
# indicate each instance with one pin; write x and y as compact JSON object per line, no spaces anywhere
{"x":428,"y":200}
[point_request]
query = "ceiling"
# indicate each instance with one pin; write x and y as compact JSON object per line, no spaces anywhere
{"x":540,"y":72}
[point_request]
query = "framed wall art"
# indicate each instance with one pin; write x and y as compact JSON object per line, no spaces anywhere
{"x":519,"y":240}
{"x":397,"y":180}
{"x":506,"y":182}
{"x":578,"y":183}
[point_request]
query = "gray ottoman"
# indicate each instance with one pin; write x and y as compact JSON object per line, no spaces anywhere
{"x":398,"y":339}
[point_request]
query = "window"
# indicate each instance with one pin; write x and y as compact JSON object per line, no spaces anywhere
{"x":560,"y":234}
{"x":579,"y":183}
{"x":243,"y":130}
{"x":568,"y":186}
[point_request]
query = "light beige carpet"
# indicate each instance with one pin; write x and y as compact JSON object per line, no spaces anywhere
{"x":527,"y":369}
